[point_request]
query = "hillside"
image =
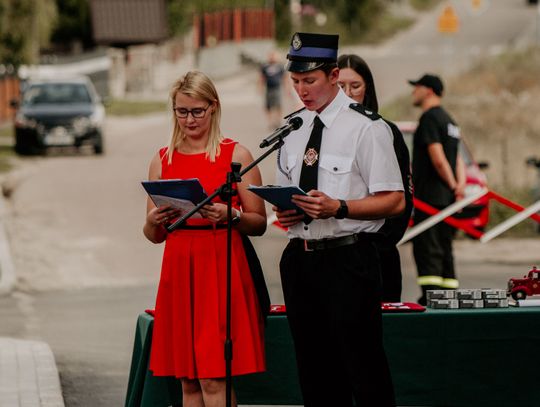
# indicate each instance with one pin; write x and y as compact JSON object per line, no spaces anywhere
{"x":496,"y":105}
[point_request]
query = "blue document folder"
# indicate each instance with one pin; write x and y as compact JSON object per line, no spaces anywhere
{"x":181,"y":194}
{"x":278,"y":195}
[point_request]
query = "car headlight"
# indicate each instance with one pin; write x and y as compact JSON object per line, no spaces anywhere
{"x":98,"y":116}
{"x":81,"y":125}
{"x":22,"y":121}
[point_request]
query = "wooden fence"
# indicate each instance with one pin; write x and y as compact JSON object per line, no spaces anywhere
{"x":9,"y":89}
{"x":233,"y":25}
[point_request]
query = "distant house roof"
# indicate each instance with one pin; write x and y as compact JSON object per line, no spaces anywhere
{"x":128,"y":21}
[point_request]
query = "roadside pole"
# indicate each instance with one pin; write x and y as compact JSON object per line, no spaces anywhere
{"x":448,"y":25}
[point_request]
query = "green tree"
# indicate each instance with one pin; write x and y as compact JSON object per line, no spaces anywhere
{"x":73,"y":23}
{"x":283,"y":20}
{"x":180,"y":16}
{"x":25,"y":26}
{"x":358,"y":16}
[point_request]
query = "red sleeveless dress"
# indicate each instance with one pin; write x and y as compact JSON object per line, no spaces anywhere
{"x":190,"y":319}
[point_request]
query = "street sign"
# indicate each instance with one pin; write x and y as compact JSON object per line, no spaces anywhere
{"x":477,"y":7}
{"x":448,"y":22}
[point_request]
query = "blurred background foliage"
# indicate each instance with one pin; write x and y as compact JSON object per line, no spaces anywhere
{"x":73,"y":23}
{"x":28,"y":26}
{"x":25,"y":27}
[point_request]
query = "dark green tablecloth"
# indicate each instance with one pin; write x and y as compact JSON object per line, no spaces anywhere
{"x":438,"y":358}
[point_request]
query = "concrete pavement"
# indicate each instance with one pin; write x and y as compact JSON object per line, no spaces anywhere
{"x":28,"y":375}
{"x":28,"y":372}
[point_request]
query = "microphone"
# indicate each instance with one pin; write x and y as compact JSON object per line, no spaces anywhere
{"x":294,"y":124}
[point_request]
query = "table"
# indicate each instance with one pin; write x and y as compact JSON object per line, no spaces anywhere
{"x":484,"y":357}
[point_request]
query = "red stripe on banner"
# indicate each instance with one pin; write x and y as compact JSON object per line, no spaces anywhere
{"x":458,"y":224}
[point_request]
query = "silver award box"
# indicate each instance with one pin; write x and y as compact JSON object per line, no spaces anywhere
{"x":443,"y":304}
{"x":471,"y":304}
{"x":440,"y":294}
{"x":493,"y":293}
{"x":495,"y":303}
{"x":469,"y":294}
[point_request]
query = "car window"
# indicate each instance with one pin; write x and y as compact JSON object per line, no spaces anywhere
{"x":56,"y":93}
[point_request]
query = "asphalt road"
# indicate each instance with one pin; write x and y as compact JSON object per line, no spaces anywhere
{"x":85,"y":270}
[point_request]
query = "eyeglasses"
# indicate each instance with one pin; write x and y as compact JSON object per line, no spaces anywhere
{"x":197,"y":113}
{"x":356,"y":87}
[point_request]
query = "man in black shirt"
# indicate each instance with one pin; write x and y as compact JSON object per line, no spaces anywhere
{"x":439,"y":180}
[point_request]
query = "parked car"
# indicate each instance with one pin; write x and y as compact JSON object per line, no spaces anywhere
{"x":477,"y":213}
{"x":58,"y":112}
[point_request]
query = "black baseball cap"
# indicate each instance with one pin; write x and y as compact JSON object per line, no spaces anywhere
{"x":310,"y":51}
{"x":430,"y":81}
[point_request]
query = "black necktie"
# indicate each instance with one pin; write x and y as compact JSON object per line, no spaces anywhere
{"x":310,"y":164}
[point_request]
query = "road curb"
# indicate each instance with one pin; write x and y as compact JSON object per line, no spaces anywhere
{"x":29,"y":376}
{"x":7,"y":268}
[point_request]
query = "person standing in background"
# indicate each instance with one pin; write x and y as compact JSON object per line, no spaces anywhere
{"x":343,"y":158}
{"x":357,"y":82}
{"x":439,"y":180}
{"x":271,"y":79}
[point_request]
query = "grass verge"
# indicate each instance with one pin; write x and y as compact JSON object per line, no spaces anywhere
{"x":6,"y":148}
{"x":499,"y":213}
{"x":423,"y":5}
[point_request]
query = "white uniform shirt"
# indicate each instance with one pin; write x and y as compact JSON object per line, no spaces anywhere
{"x":357,"y":159}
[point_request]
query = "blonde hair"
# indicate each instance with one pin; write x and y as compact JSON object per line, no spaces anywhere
{"x":197,"y":85}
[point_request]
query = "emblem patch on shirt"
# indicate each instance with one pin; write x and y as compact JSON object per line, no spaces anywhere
{"x":311,"y":156}
{"x":453,"y":130}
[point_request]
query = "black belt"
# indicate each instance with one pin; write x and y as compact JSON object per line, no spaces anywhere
{"x":331,"y":242}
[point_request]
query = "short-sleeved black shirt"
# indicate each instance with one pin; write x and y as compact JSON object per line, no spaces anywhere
{"x":435,"y":126}
{"x":273,"y":74}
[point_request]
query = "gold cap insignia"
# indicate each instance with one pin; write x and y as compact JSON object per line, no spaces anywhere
{"x":296,"y":42}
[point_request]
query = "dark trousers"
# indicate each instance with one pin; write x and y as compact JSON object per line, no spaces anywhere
{"x":432,"y":250}
{"x":390,"y":263}
{"x":333,"y":308}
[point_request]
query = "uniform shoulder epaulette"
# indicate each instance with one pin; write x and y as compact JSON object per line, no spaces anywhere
{"x":294,"y":113}
{"x":370,"y":114}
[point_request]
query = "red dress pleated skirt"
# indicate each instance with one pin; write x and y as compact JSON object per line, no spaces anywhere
{"x":190,"y":319}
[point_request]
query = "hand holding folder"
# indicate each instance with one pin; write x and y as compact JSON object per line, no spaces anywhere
{"x":279,"y":195}
{"x":180,"y":194}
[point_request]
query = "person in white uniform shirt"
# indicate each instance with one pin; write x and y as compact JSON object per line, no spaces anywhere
{"x":343,"y":157}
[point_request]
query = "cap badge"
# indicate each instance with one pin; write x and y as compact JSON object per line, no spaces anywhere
{"x":311,"y":156}
{"x":296,"y":42}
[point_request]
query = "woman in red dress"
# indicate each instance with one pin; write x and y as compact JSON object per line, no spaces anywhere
{"x":190,"y":319}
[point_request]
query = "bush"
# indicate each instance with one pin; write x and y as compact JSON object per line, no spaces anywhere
{"x":499,"y":213}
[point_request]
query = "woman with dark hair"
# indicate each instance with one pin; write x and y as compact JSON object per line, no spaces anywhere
{"x":356,"y":80}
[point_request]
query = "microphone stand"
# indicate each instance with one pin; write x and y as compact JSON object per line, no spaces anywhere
{"x":226,"y":192}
